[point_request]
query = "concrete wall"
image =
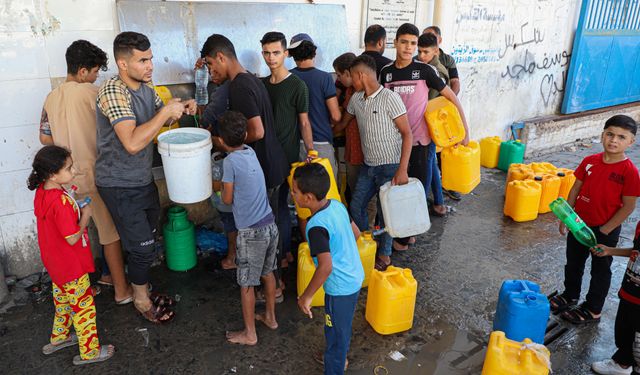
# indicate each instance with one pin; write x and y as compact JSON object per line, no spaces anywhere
{"x":512,"y":55}
{"x":33,"y":38}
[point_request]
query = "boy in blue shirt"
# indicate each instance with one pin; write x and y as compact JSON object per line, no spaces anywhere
{"x":244,"y":188}
{"x":332,"y":241}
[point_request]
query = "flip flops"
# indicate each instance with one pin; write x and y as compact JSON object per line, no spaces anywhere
{"x":103,"y":356}
{"x":70,"y":341}
{"x":125,"y":301}
{"x":579,"y":315}
{"x":558,"y":303}
{"x":162,"y":300}
{"x":156,"y":313}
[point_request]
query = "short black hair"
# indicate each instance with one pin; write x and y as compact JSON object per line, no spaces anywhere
{"x":127,"y":41}
{"x":274,"y":36}
{"x":343,"y":62}
{"x":373,"y":34}
{"x":407,"y":28}
{"x":218,"y":43}
{"x":427,"y":40}
{"x":232,"y":128}
{"x":83,"y":54}
{"x":365,"y":60}
{"x":313,"y":178}
{"x":305,"y":51}
{"x":435,"y":29}
{"x":622,"y":121}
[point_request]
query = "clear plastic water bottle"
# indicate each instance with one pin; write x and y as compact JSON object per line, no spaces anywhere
{"x":202,"y":80}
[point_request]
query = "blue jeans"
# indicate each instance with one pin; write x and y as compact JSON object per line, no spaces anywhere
{"x":436,"y":182}
{"x":339,"y":312}
{"x":369,"y":181}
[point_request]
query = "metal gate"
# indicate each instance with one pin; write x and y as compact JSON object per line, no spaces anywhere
{"x":605,"y":63}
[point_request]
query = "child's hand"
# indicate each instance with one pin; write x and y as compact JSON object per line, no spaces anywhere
{"x":86,"y":211}
{"x":304,"y":303}
{"x":601,"y":250}
{"x":562,"y":228}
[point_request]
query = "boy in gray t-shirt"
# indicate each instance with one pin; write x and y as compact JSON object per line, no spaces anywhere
{"x":243,"y":187}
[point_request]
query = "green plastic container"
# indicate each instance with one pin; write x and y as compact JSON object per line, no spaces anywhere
{"x":179,"y":240}
{"x":574,"y":223}
{"x":510,"y":152}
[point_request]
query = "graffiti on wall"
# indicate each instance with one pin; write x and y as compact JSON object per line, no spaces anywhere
{"x":524,"y":52}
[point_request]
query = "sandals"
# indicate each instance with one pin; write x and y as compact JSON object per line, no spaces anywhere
{"x":381,"y":265}
{"x":558,"y":303}
{"x":156,"y":314}
{"x":162,"y":300}
{"x":579,"y":315}
{"x":70,"y":341}
{"x":103,"y":356}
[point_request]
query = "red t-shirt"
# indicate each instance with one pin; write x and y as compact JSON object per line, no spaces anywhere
{"x":57,"y":216}
{"x":603,"y":186}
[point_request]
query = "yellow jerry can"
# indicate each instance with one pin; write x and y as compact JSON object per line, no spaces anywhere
{"x":522,"y":200}
{"x":461,"y":167}
{"x":567,"y":179}
{"x":444,"y":122}
{"x":543,"y":167}
{"x":391,"y":300}
{"x":508,"y":357}
{"x":306,"y":269}
{"x":367,"y":248}
{"x":165,"y":96}
{"x":550,"y":190}
{"x":519,"y":171}
{"x":490,"y":151}
{"x":304,"y":213}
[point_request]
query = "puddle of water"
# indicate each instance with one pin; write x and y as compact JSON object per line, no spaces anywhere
{"x":456,"y":352}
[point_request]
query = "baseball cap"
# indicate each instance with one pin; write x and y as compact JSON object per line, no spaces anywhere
{"x":299,"y":38}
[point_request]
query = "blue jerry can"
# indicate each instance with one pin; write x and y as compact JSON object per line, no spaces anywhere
{"x":522,"y":311}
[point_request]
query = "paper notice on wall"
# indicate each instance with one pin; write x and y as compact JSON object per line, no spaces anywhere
{"x":390,"y":14}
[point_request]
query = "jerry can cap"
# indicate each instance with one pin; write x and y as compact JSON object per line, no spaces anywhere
{"x":561,"y":174}
{"x":538,"y":178}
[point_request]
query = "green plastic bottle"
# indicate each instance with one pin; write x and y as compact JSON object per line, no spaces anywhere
{"x":574,"y":223}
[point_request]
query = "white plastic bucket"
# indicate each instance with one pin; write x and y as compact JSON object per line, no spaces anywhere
{"x":404,"y":208}
{"x":186,"y":160}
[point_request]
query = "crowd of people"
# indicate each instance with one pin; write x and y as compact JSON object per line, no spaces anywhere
{"x":100,"y":139}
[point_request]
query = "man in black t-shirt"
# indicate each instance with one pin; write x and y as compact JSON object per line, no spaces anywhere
{"x":375,"y":39}
{"x":248,"y":96}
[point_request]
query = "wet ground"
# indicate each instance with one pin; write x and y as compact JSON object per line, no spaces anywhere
{"x":459,"y":264}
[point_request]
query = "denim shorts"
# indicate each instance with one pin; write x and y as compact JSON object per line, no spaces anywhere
{"x":257,"y":250}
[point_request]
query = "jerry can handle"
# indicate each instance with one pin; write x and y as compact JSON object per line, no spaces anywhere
{"x":524,"y":286}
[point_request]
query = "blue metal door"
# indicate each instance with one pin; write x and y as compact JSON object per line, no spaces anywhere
{"x":605,"y":63}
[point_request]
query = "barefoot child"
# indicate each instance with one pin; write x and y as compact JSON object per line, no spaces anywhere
{"x":332,"y":242}
{"x":604,"y":195}
{"x":65,"y":252}
{"x":243,"y":187}
{"x":627,"y":328}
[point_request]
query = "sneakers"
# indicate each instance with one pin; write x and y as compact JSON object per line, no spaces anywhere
{"x":610,"y":367}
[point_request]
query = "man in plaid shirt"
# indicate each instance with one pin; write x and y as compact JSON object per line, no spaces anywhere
{"x":129,"y":114}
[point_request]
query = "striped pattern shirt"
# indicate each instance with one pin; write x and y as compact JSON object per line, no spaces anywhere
{"x":381,"y":140}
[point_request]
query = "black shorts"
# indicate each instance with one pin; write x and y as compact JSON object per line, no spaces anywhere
{"x":135,"y":212}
